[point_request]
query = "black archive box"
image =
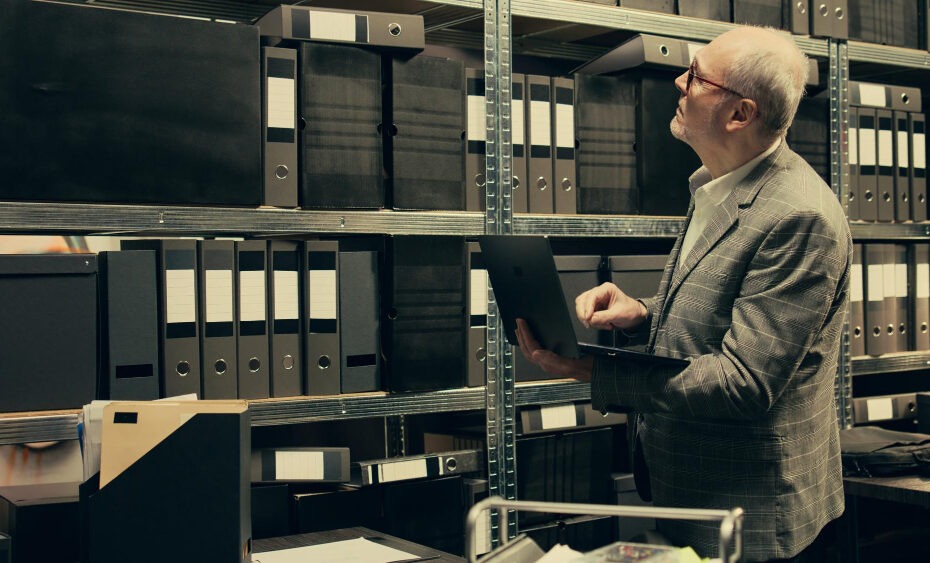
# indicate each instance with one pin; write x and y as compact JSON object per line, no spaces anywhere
{"x":104,"y":105}
{"x":40,"y":522}
{"x":48,"y":331}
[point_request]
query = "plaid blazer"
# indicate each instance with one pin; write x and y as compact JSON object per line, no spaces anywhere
{"x":758,"y":308}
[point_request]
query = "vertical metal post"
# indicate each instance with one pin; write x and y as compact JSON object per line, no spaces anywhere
{"x":838,"y":82}
{"x":500,"y":393}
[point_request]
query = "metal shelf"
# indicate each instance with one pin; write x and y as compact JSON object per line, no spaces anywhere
{"x":885,"y":55}
{"x":891,"y":363}
{"x":598,"y":225}
{"x":896,"y":231}
{"x":18,"y":428}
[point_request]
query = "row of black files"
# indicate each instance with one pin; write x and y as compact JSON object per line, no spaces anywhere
{"x":889,"y":298}
{"x":887,"y":153}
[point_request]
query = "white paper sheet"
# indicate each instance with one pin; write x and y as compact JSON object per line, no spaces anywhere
{"x":359,"y":550}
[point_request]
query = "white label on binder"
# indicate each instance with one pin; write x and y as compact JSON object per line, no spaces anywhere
{"x":855,"y":284}
{"x":693,"y":48}
{"x":867,"y":147}
{"x":286,"y":295}
{"x":889,"y":279}
{"x":402,"y":470}
{"x":282,"y":102}
{"x":879,"y":409}
{"x":903,"y":151}
{"x":923,"y":281}
{"x":323,"y":294}
{"x":872,"y":95}
{"x":252,"y":295}
{"x":479,"y":292}
{"x":219,"y":296}
{"x":180,"y":296}
{"x":558,"y":416}
{"x":885,"y":148}
{"x":333,"y":26}
{"x":517,"y":128}
{"x":853,"y":146}
{"x":919,"y":150}
{"x":541,"y":125}
{"x":876,"y":292}
{"x":564,"y":125}
{"x":477,"y":124}
{"x":900,"y":277}
{"x":298,"y":465}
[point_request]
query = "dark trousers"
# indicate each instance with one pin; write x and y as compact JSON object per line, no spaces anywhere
{"x":821,"y":550}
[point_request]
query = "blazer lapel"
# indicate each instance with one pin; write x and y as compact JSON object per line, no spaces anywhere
{"x":723,"y":218}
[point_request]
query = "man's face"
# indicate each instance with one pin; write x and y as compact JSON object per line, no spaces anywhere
{"x":700,"y":115}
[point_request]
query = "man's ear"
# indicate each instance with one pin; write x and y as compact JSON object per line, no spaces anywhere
{"x":743,"y":114}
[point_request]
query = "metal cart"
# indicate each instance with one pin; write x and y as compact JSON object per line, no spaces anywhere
{"x":731,"y":521}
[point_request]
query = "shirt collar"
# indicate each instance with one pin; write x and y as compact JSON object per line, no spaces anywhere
{"x":716,"y":189}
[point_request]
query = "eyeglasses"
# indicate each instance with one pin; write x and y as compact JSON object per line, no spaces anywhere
{"x":692,"y":76}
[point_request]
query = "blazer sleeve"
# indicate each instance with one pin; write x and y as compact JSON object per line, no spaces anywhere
{"x":791,"y":285}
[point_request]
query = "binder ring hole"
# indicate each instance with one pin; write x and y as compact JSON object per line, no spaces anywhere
{"x":516,"y":182}
{"x":921,"y":198}
{"x":824,"y":10}
{"x":220,"y":367}
{"x":886,"y":196}
{"x":923,"y":328}
{"x":877,"y":331}
{"x":890,"y":330}
{"x":857,"y":332}
{"x":183,"y":368}
{"x":840,"y":14}
{"x":902,"y":329}
{"x":911,"y":407}
{"x":288,"y":362}
{"x":480,"y":180}
{"x":566,"y":185}
{"x":802,"y":7}
{"x":905,"y":98}
{"x":541,"y":184}
{"x":663,"y":50}
{"x":905,"y":198}
{"x":852,"y":196}
{"x":301,"y":123}
{"x":451,"y":464}
{"x":254,"y":365}
{"x":392,"y":314}
{"x":324,"y":362}
{"x":394,"y":29}
{"x":481,"y":354}
{"x":281,"y":172}
{"x":869,"y":196}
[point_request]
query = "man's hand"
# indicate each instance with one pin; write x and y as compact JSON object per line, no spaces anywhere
{"x":550,"y":362}
{"x":607,"y":308}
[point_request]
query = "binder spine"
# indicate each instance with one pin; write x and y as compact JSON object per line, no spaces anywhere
{"x":252,"y":319}
{"x":919,"y":159}
{"x":563,"y":123}
{"x":321,"y":309}
{"x":284,"y":308}
{"x":868,"y":166}
{"x":539,"y":128}
{"x":886,"y":173}
{"x":857,"y":332}
{"x":902,"y":188}
{"x":279,"y":126}
{"x":477,"y":316}
{"x":475,"y":194}
{"x":359,"y":323}
{"x":217,"y":316}
{"x":419,"y":467}
{"x":875,"y":341}
{"x":520,"y":186}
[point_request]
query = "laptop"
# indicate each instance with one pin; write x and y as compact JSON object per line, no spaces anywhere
{"x":526,"y":286}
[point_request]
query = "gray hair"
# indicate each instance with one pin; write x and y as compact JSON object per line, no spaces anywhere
{"x":774,"y":79}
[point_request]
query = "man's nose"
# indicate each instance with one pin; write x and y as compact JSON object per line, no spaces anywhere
{"x":681,"y":82}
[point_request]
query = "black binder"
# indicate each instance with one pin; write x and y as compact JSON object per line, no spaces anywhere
{"x":279,"y":126}
{"x":216,"y":263}
{"x":339,"y":89}
{"x":605,"y":122}
{"x":425,"y":144}
{"x":918,"y":129}
{"x":857,"y":328}
{"x":359,"y":321}
{"x":310,"y":23}
{"x":321,"y":311}
{"x":477,"y":353}
{"x":252,"y":319}
{"x":853,"y":195}
{"x":128,"y":325}
{"x":919,"y":281}
{"x":790,"y":15}
{"x":538,"y":124}
{"x":900,"y":303}
{"x":476,"y":136}
{"x":868,"y":165}
{"x":564,"y":185}
{"x":886,"y":171}
{"x":875,"y":318}
{"x":423,"y":313}
{"x":809,"y":134}
{"x":902,"y":167}
{"x":178,"y":313}
{"x":520,"y":201}
{"x":145,"y":109}
{"x":286,"y":369}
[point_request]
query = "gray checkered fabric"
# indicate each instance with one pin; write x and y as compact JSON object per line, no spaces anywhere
{"x":758,"y":307}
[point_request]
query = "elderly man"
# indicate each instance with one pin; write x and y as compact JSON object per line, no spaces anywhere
{"x":754,"y":295}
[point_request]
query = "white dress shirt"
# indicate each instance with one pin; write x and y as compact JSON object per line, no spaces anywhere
{"x":710,"y":192}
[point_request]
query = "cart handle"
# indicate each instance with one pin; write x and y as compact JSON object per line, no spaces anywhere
{"x":731,"y":521}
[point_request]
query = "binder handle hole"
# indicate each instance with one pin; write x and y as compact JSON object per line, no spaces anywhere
{"x":394,"y":29}
{"x":857,"y":332}
{"x":288,"y":362}
{"x":890,"y":330}
{"x":541,"y":184}
{"x":254,"y":365}
{"x":902,"y":329}
{"x":392,"y":314}
{"x":516,"y":182}
{"x":869,"y":196}
{"x":183,"y":368}
{"x":840,"y":14}
{"x":876,"y":331}
{"x":281,"y":172}
{"x":301,"y":123}
{"x":905,"y":98}
{"x":480,"y":180}
{"x":802,"y":7}
{"x":451,"y":464}
{"x":824,"y":10}
{"x":923,"y":328}
{"x":566,"y":185}
{"x":663,"y":50}
{"x":220,"y":367}
{"x":481,"y":354}
{"x":886,"y":197}
{"x":324,"y":362}
{"x":911,"y":407}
